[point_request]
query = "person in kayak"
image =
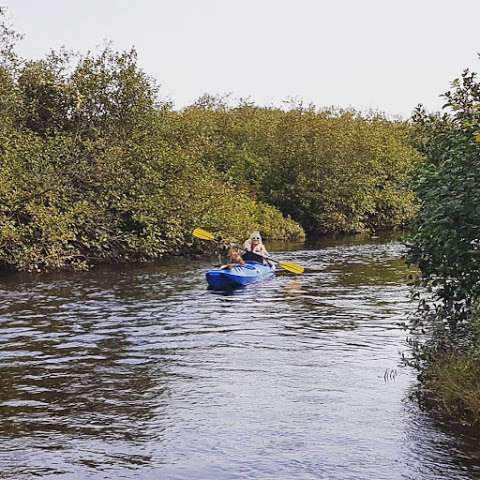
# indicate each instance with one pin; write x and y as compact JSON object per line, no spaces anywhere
{"x":235,"y":257}
{"x":254,"y":249}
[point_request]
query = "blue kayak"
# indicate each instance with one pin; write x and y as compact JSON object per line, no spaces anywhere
{"x":238,"y":275}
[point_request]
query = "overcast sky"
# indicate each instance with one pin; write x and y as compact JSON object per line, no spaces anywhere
{"x":382,"y":54}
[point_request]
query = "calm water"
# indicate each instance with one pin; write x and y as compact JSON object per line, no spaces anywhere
{"x":142,"y":373}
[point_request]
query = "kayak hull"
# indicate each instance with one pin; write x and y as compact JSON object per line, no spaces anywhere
{"x":238,"y":275}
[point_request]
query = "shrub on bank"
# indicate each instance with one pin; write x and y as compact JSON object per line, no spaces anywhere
{"x":449,"y":374}
{"x":445,"y":246}
{"x":65,"y":202}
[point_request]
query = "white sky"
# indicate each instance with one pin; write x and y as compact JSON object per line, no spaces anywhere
{"x":381,"y":54}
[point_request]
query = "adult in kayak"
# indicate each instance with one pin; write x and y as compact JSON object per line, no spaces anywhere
{"x":254,"y":250}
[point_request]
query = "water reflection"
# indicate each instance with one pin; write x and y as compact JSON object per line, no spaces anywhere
{"x":460,"y":447}
{"x":143,"y":373}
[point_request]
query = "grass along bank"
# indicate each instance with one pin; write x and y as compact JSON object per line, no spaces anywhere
{"x":451,"y":386}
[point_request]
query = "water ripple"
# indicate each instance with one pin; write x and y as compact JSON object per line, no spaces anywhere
{"x":144,"y":373}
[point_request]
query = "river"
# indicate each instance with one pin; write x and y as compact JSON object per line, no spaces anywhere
{"x":142,"y":373}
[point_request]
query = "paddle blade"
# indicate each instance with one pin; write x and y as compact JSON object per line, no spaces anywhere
{"x":203,"y":234}
{"x":292,"y":267}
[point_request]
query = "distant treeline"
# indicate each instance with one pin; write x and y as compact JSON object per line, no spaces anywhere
{"x":330,"y":170}
{"x":94,"y":168}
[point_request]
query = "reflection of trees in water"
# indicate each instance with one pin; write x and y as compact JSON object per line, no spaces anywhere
{"x":87,"y":362}
{"x":345,"y":293}
{"x":74,"y":369}
{"x":386,"y":272}
{"x":443,"y":449}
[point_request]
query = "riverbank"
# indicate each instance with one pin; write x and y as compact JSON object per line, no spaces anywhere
{"x":449,"y":374}
{"x":451,"y":386}
{"x":445,"y":245}
{"x":96,"y":168}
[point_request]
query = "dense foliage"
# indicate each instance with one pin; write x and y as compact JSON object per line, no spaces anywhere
{"x":89,"y":174}
{"x":331,"y":170}
{"x":446,"y":242}
{"x":446,"y":245}
{"x":94,"y":168}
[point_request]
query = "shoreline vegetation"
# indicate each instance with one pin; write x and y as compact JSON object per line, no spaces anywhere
{"x":95,"y":168}
{"x":446,"y":247}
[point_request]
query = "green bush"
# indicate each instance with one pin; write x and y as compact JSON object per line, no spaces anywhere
{"x":448,"y":188}
{"x":89,"y":170}
{"x":451,"y":386}
{"x":446,"y":247}
{"x":329,"y":170}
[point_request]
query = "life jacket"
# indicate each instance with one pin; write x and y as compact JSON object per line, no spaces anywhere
{"x":253,"y":254}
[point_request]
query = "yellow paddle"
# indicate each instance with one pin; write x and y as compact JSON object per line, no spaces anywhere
{"x":289,"y":266}
{"x":203,"y":234}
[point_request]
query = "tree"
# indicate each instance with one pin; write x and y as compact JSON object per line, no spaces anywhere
{"x":446,"y":243}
